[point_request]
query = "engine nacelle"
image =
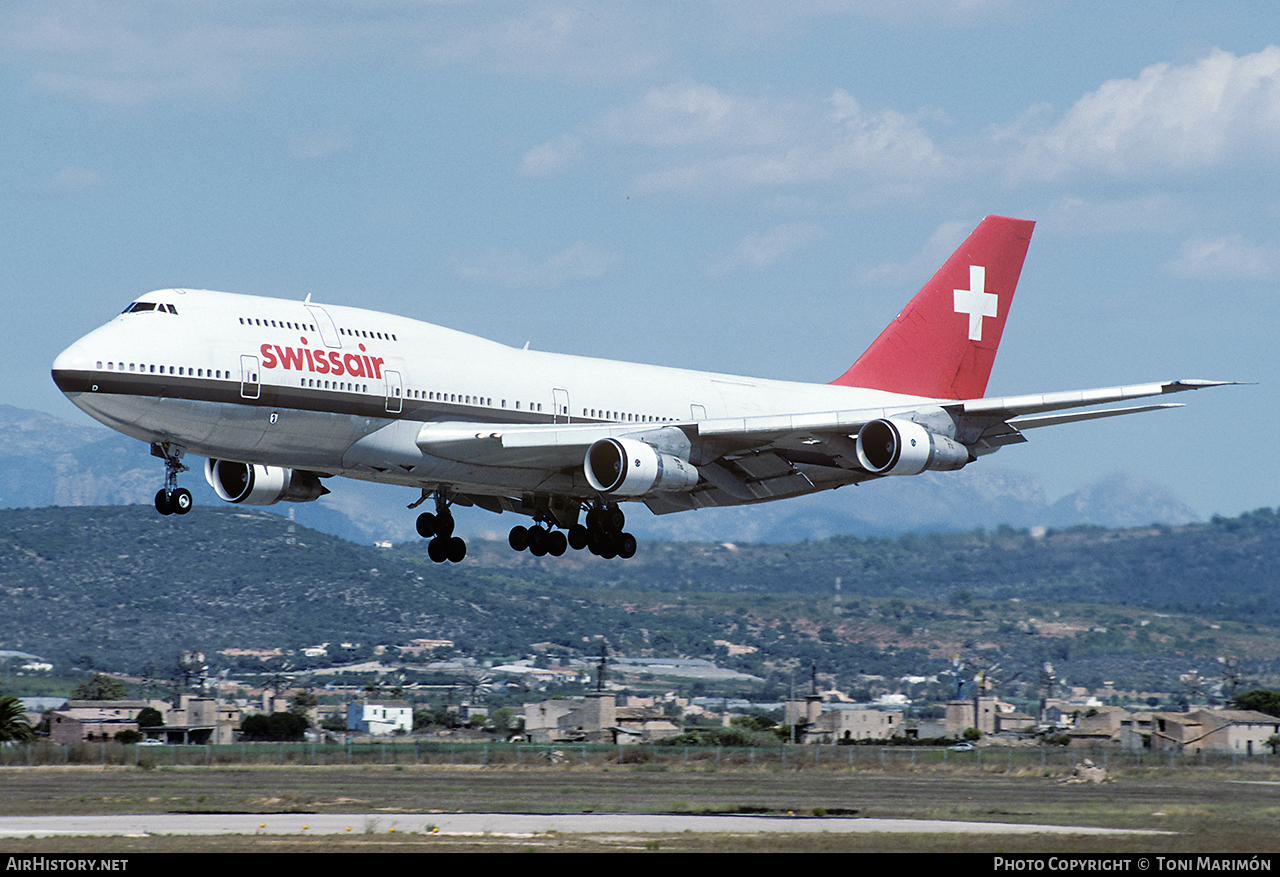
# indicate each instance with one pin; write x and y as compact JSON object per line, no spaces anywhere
{"x":254,"y":484}
{"x":627,"y":467}
{"x":901,"y":447}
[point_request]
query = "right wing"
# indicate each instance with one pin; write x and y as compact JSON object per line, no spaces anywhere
{"x":755,"y":459}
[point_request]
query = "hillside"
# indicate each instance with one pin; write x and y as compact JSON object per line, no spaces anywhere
{"x":120,"y":587}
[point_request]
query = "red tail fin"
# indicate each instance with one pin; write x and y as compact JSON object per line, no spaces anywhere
{"x":944,"y":341}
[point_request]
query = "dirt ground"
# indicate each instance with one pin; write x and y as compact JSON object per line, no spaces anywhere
{"x":1208,"y":813}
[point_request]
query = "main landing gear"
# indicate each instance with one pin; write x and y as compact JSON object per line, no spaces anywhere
{"x":438,"y":528}
{"x":171,"y":499}
{"x":602,"y":535}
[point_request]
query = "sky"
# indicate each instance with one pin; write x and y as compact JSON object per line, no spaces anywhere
{"x":746,"y":187}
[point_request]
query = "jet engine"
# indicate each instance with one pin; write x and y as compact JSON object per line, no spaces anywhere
{"x":627,"y":467}
{"x":254,"y":484}
{"x":901,"y":447}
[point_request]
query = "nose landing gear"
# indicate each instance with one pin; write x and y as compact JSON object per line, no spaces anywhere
{"x":171,"y":499}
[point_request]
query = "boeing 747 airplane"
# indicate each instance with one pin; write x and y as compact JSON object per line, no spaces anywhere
{"x":279,"y":396}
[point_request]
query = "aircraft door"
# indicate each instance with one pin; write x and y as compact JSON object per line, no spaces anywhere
{"x":395,"y":393}
{"x":560,"y":406}
{"x":698,"y":412}
{"x":250,"y":385}
{"x":324,"y":322}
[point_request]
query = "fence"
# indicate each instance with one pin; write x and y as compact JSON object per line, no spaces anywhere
{"x":1049,"y":761}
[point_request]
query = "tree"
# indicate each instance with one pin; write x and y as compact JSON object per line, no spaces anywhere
{"x":150,"y":717}
{"x":504,"y":720}
{"x":100,"y":687}
{"x":13,"y":721}
{"x":1261,"y":700}
{"x":277,"y":726}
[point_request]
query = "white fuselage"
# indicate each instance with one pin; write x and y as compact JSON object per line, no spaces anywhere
{"x":297,"y":384}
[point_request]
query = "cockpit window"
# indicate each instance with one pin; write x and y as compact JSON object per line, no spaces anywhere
{"x":139,"y":306}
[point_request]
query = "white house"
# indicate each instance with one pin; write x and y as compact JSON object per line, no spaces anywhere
{"x":380,"y":718}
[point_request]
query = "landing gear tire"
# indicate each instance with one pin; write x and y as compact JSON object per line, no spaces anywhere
{"x":603,"y":534}
{"x":537,"y":541}
{"x":557,"y":543}
{"x":613,"y":519}
{"x":438,"y":550}
{"x":444,"y":526}
{"x":450,"y":548}
{"x":426,"y":525}
{"x":457,"y":549}
{"x":518,"y":538}
{"x":626,"y":546}
{"x":173,"y":502}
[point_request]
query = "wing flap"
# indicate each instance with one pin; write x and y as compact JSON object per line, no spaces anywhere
{"x":1031,"y":421}
{"x":534,"y":446}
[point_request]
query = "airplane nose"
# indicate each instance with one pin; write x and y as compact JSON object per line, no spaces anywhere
{"x":74,"y":358}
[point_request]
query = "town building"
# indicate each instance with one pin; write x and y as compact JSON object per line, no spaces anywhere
{"x":100,"y":720}
{"x":596,"y":718}
{"x":1243,"y":732}
{"x":855,"y":723}
{"x":379,"y":718}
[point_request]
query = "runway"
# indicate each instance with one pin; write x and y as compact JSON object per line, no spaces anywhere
{"x":501,"y":824}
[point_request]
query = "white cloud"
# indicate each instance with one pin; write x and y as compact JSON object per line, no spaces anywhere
{"x":76,"y":179}
{"x":581,"y":261}
{"x":1075,"y":216}
{"x":129,"y":53}
{"x":757,"y":251}
{"x":550,"y":39}
{"x":1171,"y":118}
{"x":1227,"y":258}
{"x":551,"y":157}
{"x":704,"y":137}
{"x":920,"y":267}
{"x":696,"y":115}
{"x":322,"y":144}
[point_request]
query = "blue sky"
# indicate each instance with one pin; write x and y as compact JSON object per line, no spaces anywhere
{"x":749,"y":187}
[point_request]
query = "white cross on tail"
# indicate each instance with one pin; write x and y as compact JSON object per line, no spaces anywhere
{"x":976,"y":301}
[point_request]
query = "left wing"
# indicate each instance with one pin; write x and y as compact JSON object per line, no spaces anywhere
{"x":754,"y":459}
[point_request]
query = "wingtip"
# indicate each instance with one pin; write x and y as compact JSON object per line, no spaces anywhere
{"x":1199,"y":384}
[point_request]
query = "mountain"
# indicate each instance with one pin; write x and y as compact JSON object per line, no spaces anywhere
{"x":47,"y":461}
{"x":1120,"y":500}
